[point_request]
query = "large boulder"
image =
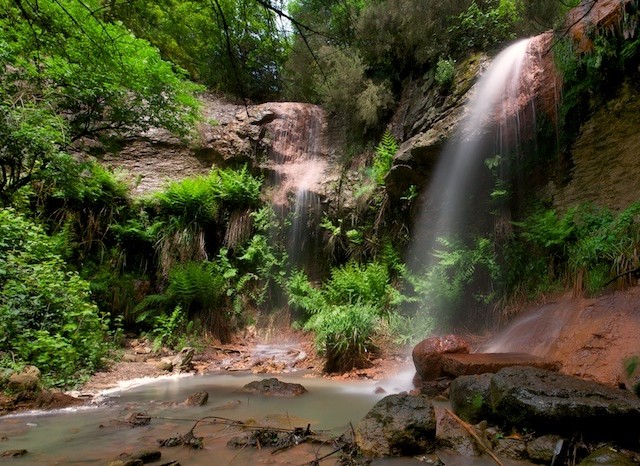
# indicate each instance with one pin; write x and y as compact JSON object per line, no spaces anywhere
{"x":427,"y":355}
{"x":548,"y":402}
{"x":469,"y":397}
{"x":398,"y":425}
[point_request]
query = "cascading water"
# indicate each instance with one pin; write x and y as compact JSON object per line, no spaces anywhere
{"x":500,"y":114}
{"x":298,"y":161}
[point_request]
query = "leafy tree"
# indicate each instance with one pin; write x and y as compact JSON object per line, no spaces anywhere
{"x":66,"y":73}
{"x":46,"y":314}
{"x":232,"y":46}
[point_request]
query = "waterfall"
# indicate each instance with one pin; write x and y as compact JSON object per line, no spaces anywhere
{"x":457,"y":202}
{"x":298,"y":162}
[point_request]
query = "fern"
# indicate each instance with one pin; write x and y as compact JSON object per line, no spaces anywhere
{"x":236,"y":187}
{"x":385,"y":151}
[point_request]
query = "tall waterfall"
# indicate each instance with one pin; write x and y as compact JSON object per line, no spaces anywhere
{"x":457,"y":200}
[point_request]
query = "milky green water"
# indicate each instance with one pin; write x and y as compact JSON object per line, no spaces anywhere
{"x":95,"y":435}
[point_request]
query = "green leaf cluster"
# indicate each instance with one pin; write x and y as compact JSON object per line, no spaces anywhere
{"x":46,"y":314}
{"x":586,"y":247}
{"x":385,"y":151}
{"x":347,"y":311}
{"x":461,"y":280}
{"x":232,"y":46}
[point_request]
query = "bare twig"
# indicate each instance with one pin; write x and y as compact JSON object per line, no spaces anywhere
{"x":475,"y":435}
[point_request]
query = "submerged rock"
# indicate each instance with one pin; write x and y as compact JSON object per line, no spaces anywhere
{"x":197,"y":399}
{"x":397,"y":425}
{"x":274,"y":387}
{"x":13,"y":453}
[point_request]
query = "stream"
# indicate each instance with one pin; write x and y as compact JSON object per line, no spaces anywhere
{"x":95,"y":434}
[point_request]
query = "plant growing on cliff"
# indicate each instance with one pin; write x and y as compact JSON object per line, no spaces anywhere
{"x":445,"y":73}
{"x":385,"y":151}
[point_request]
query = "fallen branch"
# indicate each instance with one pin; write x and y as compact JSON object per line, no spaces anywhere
{"x":475,"y":435}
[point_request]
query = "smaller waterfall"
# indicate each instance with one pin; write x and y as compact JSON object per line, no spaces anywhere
{"x":457,"y":199}
{"x":298,"y":161}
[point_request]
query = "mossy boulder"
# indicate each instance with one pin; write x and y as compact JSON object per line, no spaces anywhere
{"x":398,"y":425}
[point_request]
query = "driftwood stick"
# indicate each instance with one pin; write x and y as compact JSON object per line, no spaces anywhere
{"x":475,"y":435}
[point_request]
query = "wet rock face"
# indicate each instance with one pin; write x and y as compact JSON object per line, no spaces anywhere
{"x":398,"y":425}
{"x":425,"y":119}
{"x":548,"y":402}
{"x":427,"y":355}
{"x":274,"y":387}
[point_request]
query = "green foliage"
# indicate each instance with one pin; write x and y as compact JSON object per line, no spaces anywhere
{"x":461,"y":278}
{"x":408,"y":330}
{"x":67,"y":73}
{"x":445,"y":73}
{"x":201,"y":290}
{"x":385,"y":151}
{"x":345,"y":89}
{"x":586,"y":247}
{"x":190,"y":201}
{"x":591,"y":77}
{"x":479,"y":28}
{"x":233,"y":46}
{"x":172,"y":330}
{"x":46,"y":314}
{"x":236,"y":188}
{"x":190,"y":209}
{"x":544,"y":229}
{"x":343,"y":334}
{"x":347,"y":311}
{"x":30,"y":139}
{"x":352,"y":283}
{"x":96,"y":73}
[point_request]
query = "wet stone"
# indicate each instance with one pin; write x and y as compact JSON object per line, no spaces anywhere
{"x":13,"y":453}
{"x":606,"y":456}
{"x":197,"y":399}
{"x":274,"y":387}
{"x":544,"y":448}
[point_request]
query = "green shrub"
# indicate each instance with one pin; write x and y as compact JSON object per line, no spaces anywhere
{"x":346,"y":313}
{"x":445,"y":73}
{"x":236,"y":188}
{"x":343,"y":334}
{"x":481,"y":28}
{"x":191,"y":201}
{"x":461,"y":279}
{"x":46,"y":314}
{"x":203,"y":292}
